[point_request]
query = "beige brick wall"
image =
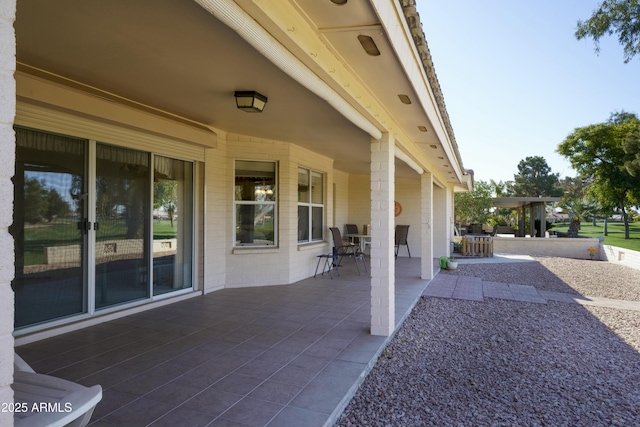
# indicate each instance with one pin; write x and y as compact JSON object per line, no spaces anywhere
{"x":359,"y":202}
{"x":286,"y":263}
{"x":216,"y":212}
{"x":408,"y":195}
{"x":340,"y":200}
{"x":303,"y":257}
{"x":7,"y":161}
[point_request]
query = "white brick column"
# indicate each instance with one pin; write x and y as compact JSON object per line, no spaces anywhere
{"x":450,"y":220}
{"x":7,"y":167}
{"x":216,"y":208}
{"x":426,"y":219}
{"x":382,"y":236}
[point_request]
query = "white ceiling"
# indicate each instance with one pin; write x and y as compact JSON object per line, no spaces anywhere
{"x":174,"y":56}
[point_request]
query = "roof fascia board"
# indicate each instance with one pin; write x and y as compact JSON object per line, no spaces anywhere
{"x":393,"y":19}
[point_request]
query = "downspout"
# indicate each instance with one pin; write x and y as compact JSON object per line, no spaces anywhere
{"x":242,"y":23}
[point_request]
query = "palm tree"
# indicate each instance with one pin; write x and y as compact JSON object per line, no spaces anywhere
{"x":579,"y":210}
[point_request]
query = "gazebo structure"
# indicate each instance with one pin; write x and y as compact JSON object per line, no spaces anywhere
{"x":536,"y":207}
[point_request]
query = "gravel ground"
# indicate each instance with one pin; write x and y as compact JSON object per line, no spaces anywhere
{"x":572,"y":276}
{"x":509,"y":363}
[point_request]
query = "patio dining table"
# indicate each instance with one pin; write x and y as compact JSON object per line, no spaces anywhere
{"x":362,"y":238}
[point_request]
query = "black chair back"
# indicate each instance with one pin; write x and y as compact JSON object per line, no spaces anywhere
{"x":353,"y":229}
{"x":402,"y":233}
{"x":337,"y":240}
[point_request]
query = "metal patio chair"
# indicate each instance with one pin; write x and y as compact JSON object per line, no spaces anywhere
{"x":346,"y":249}
{"x":402,"y":233}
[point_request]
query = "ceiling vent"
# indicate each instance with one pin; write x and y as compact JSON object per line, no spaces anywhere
{"x":369,"y":45}
{"x":404,"y":99}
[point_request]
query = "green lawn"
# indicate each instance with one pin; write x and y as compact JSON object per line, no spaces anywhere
{"x":616,"y":233}
{"x":65,"y":232}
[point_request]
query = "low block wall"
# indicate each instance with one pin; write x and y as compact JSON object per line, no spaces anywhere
{"x":107,"y":250}
{"x":621,"y":256}
{"x":559,"y":247}
{"x":505,"y":229}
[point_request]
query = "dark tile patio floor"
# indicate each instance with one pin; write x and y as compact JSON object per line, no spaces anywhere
{"x":290,"y":355}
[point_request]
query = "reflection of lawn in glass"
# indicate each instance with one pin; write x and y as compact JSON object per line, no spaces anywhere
{"x":65,"y":232}
{"x":262,"y":232}
{"x":162,"y":229}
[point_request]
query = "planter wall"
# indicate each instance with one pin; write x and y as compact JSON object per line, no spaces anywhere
{"x":559,"y":247}
{"x":621,"y":256}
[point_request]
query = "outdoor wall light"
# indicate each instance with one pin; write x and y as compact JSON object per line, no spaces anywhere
{"x":250,"y":101}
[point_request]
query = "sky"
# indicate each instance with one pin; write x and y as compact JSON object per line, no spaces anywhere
{"x":516,"y":81}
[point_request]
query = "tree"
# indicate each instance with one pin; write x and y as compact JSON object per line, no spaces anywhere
{"x":631,"y":148}
{"x":573,"y":187}
{"x":56,"y":205}
{"x":621,"y":17}
{"x":473,"y":206}
{"x":580,"y":210}
{"x":165,"y":195}
{"x":35,"y":203}
{"x":597,"y":153}
{"x":534,"y":179}
{"x":576,"y":191}
{"x":503,"y":216}
{"x":501,"y":189}
{"x":41,"y":202}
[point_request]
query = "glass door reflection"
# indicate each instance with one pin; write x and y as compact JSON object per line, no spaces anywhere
{"x":122,"y":225}
{"x":49,"y":227}
{"x":172,"y":225}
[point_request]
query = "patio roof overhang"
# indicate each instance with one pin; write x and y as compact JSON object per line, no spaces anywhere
{"x":140,"y":53}
{"x":518,"y":202}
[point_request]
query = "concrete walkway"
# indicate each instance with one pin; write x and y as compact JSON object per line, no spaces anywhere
{"x":476,"y":289}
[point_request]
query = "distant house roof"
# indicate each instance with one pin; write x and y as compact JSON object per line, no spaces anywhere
{"x":557,"y":215}
{"x":516,"y":202}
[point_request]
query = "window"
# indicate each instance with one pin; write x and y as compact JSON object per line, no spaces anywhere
{"x":310,"y":206}
{"x":255,"y":203}
{"x":173,"y":215}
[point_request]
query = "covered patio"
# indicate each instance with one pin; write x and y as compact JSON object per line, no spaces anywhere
{"x":287,"y":355}
{"x":182,"y":254}
{"x":533,"y":208}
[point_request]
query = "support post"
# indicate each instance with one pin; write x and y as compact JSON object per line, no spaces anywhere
{"x":426,"y":215}
{"x":382,"y":236}
{"x":7,"y":166}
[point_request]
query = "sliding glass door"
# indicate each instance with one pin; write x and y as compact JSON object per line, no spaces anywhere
{"x":172,"y":225}
{"x":49,"y":227}
{"x":121,"y":225}
{"x":96,"y":226}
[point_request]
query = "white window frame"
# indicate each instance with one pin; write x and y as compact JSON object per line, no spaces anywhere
{"x":312,"y":205}
{"x":273,"y":202}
